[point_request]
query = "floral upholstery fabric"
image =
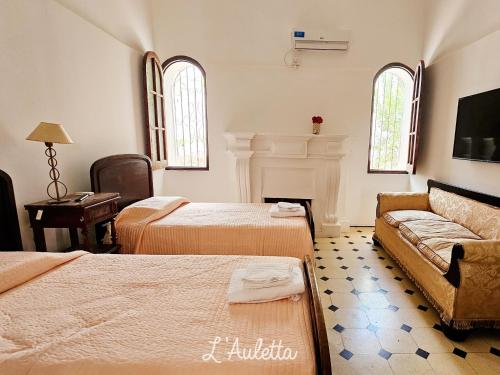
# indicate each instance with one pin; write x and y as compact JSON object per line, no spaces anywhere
{"x":421,"y":230}
{"x":423,"y":248}
{"x":479,"y":291}
{"x":480,"y":218}
{"x":429,"y":279}
{"x":486,"y":252}
{"x":394,"y":218}
{"x":438,"y":250}
{"x":402,"y":201}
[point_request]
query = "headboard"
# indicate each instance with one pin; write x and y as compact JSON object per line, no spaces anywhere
{"x":128,"y":174}
{"x":10,"y":235}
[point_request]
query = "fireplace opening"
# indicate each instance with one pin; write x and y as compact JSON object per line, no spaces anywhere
{"x":306,"y":203}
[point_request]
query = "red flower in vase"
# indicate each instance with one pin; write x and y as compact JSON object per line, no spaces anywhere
{"x":317,"y":120}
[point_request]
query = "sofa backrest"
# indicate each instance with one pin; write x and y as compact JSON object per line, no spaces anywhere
{"x":480,"y":218}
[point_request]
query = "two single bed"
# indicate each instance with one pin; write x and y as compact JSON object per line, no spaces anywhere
{"x":196,"y":228}
{"x":82,"y":313}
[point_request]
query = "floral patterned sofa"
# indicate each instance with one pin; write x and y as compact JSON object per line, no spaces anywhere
{"x":448,"y":242}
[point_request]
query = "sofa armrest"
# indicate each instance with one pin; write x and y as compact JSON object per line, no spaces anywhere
{"x":477,"y":283}
{"x":481,"y":257}
{"x":484,"y":251}
{"x":402,"y":201}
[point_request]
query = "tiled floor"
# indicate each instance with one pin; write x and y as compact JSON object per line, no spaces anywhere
{"x":379,"y":323}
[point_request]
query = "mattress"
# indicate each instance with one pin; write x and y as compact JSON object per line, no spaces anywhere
{"x":213,"y":228}
{"x":81,"y":313}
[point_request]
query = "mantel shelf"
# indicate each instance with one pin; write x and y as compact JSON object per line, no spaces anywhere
{"x":280,"y":145}
{"x":336,"y":137}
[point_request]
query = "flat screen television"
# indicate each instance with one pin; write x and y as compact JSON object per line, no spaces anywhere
{"x":477,"y":133}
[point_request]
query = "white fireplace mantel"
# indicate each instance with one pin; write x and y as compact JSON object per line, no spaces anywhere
{"x":306,"y":166}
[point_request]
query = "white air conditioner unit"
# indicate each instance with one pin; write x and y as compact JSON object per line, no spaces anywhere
{"x":323,"y":41}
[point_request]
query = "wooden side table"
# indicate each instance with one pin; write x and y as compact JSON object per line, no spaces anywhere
{"x":73,"y":215}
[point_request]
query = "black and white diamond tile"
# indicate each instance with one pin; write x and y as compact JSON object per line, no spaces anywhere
{"x":346,"y":354}
{"x":422,"y":353}
{"x":384,"y":354}
{"x":381,"y":319}
{"x":406,"y":328}
{"x":338,"y":328}
{"x":460,"y":353}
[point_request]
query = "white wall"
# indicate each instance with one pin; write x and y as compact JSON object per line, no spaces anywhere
{"x":465,"y":63}
{"x":59,"y":67}
{"x":241,"y":46}
{"x":129,"y":21}
{"x":453,"y":24}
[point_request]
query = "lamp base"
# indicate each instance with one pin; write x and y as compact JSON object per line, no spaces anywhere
{"x":55,"y":201}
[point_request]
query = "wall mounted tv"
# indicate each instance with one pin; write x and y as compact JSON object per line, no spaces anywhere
{"x":477,"y":133}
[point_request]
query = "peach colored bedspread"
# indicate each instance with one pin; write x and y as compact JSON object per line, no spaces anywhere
{"x":116,"y":314}
{"x":216,"y":228}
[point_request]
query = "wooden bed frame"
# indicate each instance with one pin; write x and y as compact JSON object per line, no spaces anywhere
{"x":128,"y":174}
{"x":10,"y":235}
{"x":320,"y":336}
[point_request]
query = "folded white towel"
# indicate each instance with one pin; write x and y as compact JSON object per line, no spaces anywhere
{"x":275,"y":212}
{"x":267,"y":271}
{"x":264,"y":284}
{"x":237,"y":293}
{"x":287,"y":206}
{"x":265,"y":275}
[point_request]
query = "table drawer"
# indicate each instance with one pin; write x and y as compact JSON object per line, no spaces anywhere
{"x":101,"y":212}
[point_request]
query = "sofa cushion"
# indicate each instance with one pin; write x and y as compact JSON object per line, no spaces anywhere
{"x":421,"y":230}
{"x":394,"y":218}
{"x":480,"y":218}
{"x":438,"y":251}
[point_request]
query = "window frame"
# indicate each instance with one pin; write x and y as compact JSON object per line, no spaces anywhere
{"x":154,"y":87}
{"x":164,"y":66}
{"x":379,"y":72}
{"x":416,"y":115}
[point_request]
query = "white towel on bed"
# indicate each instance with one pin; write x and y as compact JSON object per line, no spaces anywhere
{"x":266,"y":275}
{"x":237,"y":293}
{"x":287,"y":206}
{"x":275,"y":212}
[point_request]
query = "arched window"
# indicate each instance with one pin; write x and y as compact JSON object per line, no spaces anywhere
{"x":185,"y":113}
{"x":391,"y":119}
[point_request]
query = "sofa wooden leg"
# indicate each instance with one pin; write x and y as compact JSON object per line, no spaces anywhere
{"x":455,"y":334}
{"x":376,"y":242}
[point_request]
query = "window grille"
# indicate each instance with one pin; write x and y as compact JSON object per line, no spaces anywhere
{"x":184,"y":82}
{"x":390,"y":122}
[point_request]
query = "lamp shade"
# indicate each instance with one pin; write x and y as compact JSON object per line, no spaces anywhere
{"x":51,"y":133}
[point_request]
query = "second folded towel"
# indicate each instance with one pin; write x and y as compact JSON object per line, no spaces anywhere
{"x":276,"y":212}
{"x":287,"y":206}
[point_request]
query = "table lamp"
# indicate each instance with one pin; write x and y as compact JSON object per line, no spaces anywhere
{"x":50,"y":134}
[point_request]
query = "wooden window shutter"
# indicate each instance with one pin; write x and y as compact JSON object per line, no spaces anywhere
{"x":416,"y":114}
{"x":156,"y":137}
